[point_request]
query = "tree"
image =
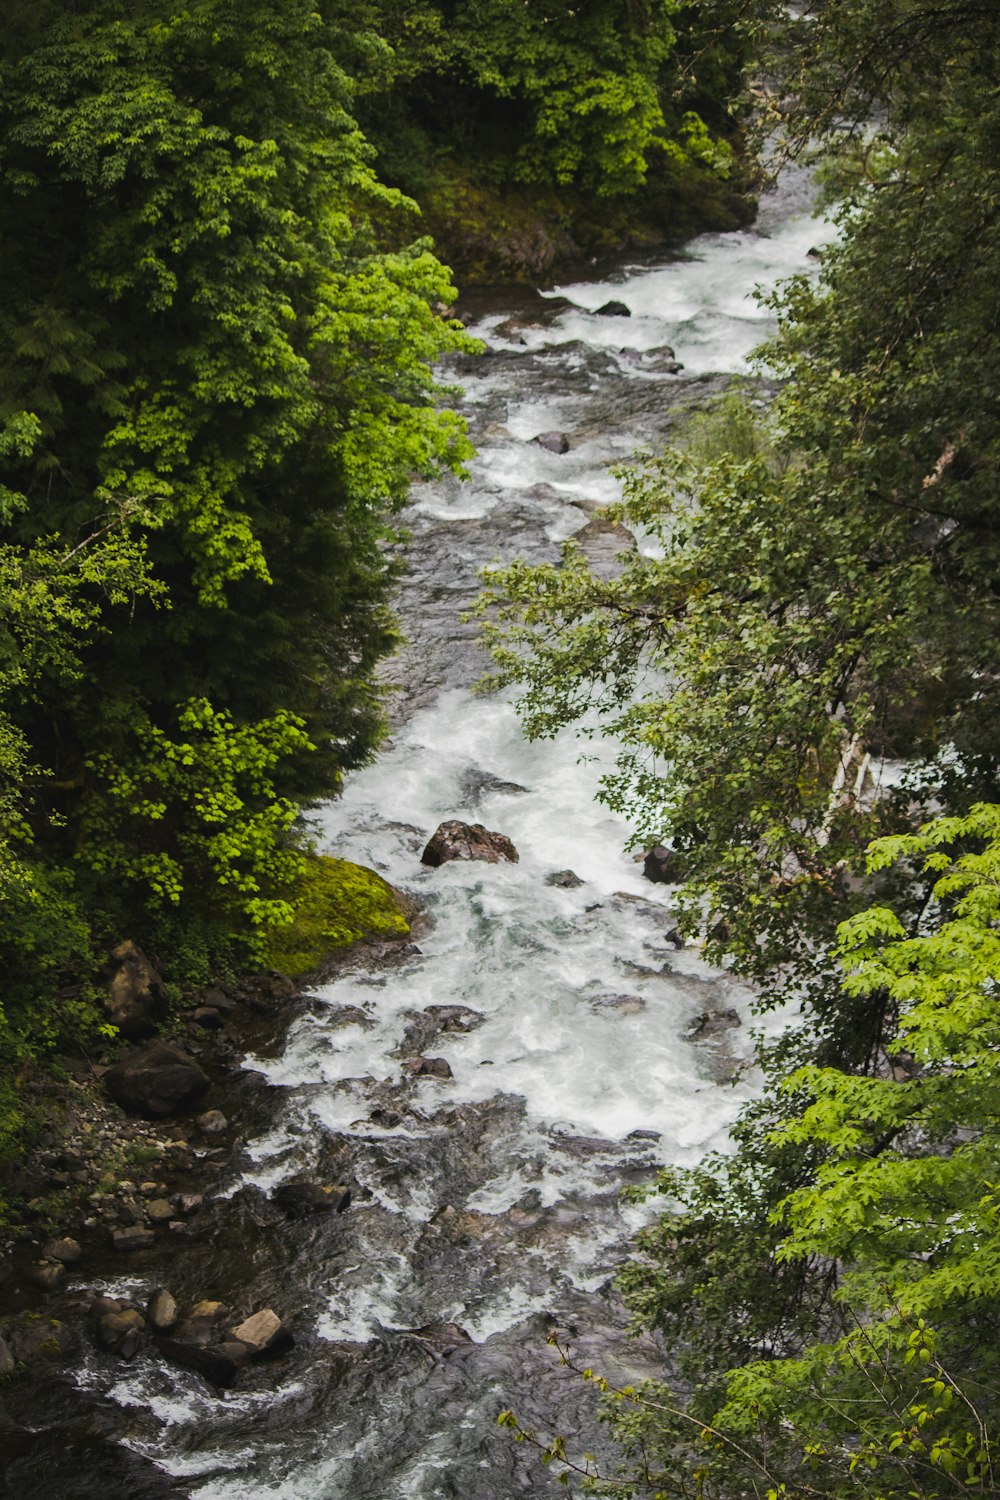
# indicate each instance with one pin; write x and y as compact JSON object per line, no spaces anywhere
{"x":206,"y":335}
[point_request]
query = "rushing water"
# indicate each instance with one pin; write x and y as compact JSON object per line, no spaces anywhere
{"x":486,"y":1205}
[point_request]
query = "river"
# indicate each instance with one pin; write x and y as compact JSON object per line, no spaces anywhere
{"x":486,"y":1205}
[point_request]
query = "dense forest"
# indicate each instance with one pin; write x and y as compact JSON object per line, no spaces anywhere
{"x":223,"y":230}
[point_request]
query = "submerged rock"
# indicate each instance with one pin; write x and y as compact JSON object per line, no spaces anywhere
{"x":467,"y":841}
{"x":613,"y":309}
{"x":455,"y":1017}
{"x":713,"y":1023}
{"x":301,"y":1199}
{"x":568,"y":879}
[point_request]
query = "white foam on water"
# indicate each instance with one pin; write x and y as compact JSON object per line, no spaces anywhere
{"x":705,"y":305}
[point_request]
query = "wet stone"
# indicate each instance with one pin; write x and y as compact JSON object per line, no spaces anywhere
{"x":427,"y":1067}
{"x":460,"y":1018}
{"x":567,"y":879}
{"x":67,"y":1250}
{"x":133,"y":1238}
{"x":212,"y":1122}
{"x":160,"y":1211}
{"x":161,"y":1310}
{"x":299,"y":1200}
{"x":552,"y":442}
{"x":45,"y":1274}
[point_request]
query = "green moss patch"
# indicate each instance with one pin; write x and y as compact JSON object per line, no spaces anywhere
{"x":337,"y":904}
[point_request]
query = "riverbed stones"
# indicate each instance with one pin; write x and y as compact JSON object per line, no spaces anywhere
{"x":427,"y":1067}
{"x":161,"y":1310}
{"x":135,"y":1237}
{"x":567,"y":879}
{"x":455,"y":840}
{"x":137,"y":998}
{"x":663,"y":866}
{"x":603,"y":543}
{"x":460,"y":1018}
{"x":552,"y":442}
{"x":713,"y":1023}
{"x":159,"y":1211}
{"x":157,"y":1080}
{"x":121,"y":1332}
{"x":614,"y":309}
{"x":264,"y":1334}
{"x":65,"y":1249}
{"x":625,"y":1005}
{"x":45,"y":1274}
{"x":212,"y":1122}
{"x":299,"y":1200}
{"x":219,"y":1365}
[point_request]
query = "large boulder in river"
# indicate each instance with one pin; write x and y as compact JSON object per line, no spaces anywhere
{"x":136,"y":999}
{"x":552,"y":442}
{"x":156,"y":1081}
{"x":456,"y":840}
{"x":663,"y":866}
{"x":300,"y":1200}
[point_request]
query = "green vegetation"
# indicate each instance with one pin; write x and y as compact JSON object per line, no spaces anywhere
{"x":336,"y":904}
{"x":525,"y":129}
{"x":824,"y":595}
{"x":218,"y":332}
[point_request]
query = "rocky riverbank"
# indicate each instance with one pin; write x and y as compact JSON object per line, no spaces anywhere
{"x":123,"y":1180}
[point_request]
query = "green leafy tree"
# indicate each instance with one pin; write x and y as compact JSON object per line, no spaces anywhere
{"x":204,"y":331}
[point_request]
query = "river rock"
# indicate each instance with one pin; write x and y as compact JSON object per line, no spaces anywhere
{"x":603,"y":543}
{"x":264,"y":1333}
{"x":552,"y":442}
{"x":45,"y":1274}
{"x":212,"y":1122}
{"x":301,"y":1199}
{"x":208,"y":1017}
{"x":712,"y":1023}
{"x":467,"y":841}
{"x":663,"y":866}
{"x":135,"y":1237}
{"x":121,"y":1332}
{"x":442,"y":1338}
{"x":220,"y":1365}
{"x":455,"y":1017}
{"x":157,"y":1080}
{"x":613,"y":309}
{"x":137,"y":997}
{"x":427,"y":1067}
{"x":65,"y":1249}
{"x":568,"y":879}
{"x":161,"y":1310}
{"x":159,"y":1211}
{"x":475,"y":784}
{"x":6,"y":1358}
{"x":626,"y":1005}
